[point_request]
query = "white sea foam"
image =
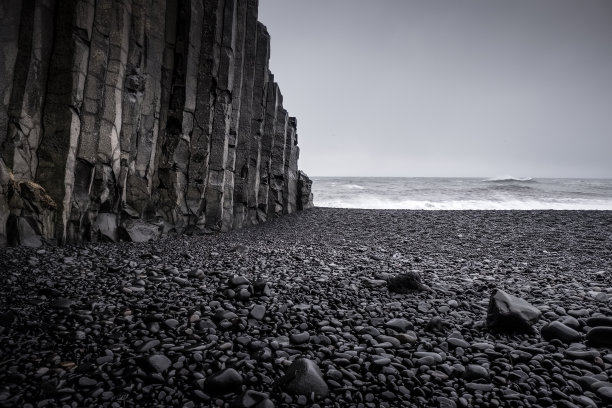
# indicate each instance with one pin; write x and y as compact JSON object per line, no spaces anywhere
{"x":377,"y":203}
{"x":508,"y":178}
{"x":503,"y":193}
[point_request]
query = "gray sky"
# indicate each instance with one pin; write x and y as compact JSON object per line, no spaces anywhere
{"x":446,"y":87}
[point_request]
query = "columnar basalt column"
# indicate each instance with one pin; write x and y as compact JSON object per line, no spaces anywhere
{"x":274,"y":101}
{"x":10,"y":15}
{"x":222,"y":112}
{"x":235,"y":133}
{"x":292,"y":152}
{"x":277,"y":165}
{"x":63,"y":104}
{"x":128,"y":119}
{"x":241,"y":166}
{"x":28,"y":88}
{"x":212,"y":31}
{"x":260,"y":90}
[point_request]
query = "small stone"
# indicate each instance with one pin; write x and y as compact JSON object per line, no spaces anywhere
{"x":148,"y":345}
{"x":605,"y":393}
{"x":258,"y":312}
{"x":599,"y":321}
{"x":381,"y":362}
{"x":600,"y":336}
{"x":171,"y":323}
{"x":446,"y":403}
{"x":249,"y":399}
{"x":158,"y":363}
{"x":399,"y":325}
{"x":559,"y":331}
{"x":239,"y":281}
{"x":475,"y":372}
{"x":455,"y":342}
{"x":300,"y":338}
{"x":87,"y":382}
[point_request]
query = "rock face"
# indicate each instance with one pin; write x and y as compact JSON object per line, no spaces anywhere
{"x":123,"y":117}
{"x":508,"y":313}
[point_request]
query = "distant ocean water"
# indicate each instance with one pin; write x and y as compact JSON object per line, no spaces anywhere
{"x":504,"y":193}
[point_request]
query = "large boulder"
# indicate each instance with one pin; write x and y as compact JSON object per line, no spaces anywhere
{"x":304,"y":377}
{"x":139,"y":231}
{"x":406,"y":282}
{"x":508,"y":313}
{"x":305,"y":197}
{"x":224,"y":382}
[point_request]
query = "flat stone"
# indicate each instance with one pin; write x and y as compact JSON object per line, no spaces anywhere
{"x":599,"y":321}
{"x":400,"y":325}
{"x":148,"y":345}
{"x":475,"y":372}
{"x":158,"y":363}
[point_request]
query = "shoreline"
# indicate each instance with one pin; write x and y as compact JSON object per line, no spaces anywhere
{"x":102,"y":311}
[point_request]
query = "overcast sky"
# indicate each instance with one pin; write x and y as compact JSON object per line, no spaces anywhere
{"x":446,"y":87}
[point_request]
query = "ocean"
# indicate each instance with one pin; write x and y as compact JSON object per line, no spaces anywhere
{"x":424,"y":193}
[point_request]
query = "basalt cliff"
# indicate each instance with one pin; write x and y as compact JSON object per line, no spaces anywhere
{"x":130,"y":119}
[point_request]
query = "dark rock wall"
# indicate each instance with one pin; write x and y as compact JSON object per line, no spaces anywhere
{"x":135,"y":118}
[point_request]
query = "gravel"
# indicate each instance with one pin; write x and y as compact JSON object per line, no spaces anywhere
{"x":298,"y":311}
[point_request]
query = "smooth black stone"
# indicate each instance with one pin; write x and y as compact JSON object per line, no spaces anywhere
{"x":600,"y":336}
{"x":599,"y":321}
{"x":146,"y":346}
{"x":475,"y":372}
{"x":559,"y":331}
{"x":399,"y":325}
{"x":299,"y":338}
{"x":223,"y":382}
{"x":158,"y":363}
{"x":508,"y":313}
{"x":249,"y":399}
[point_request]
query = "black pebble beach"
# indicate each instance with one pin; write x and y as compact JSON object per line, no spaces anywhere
{"x":217,"y":320}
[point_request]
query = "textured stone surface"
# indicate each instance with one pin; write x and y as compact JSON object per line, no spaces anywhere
{"x":304,"y":192}
{"x":304,"y":377}
{"x":508,"y":313}
{"x":163,"y":112}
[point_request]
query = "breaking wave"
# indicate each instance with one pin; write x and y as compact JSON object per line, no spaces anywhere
{"x":502,"y":193}
{"x":378,"y":203}
{"x":507,"y":179}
